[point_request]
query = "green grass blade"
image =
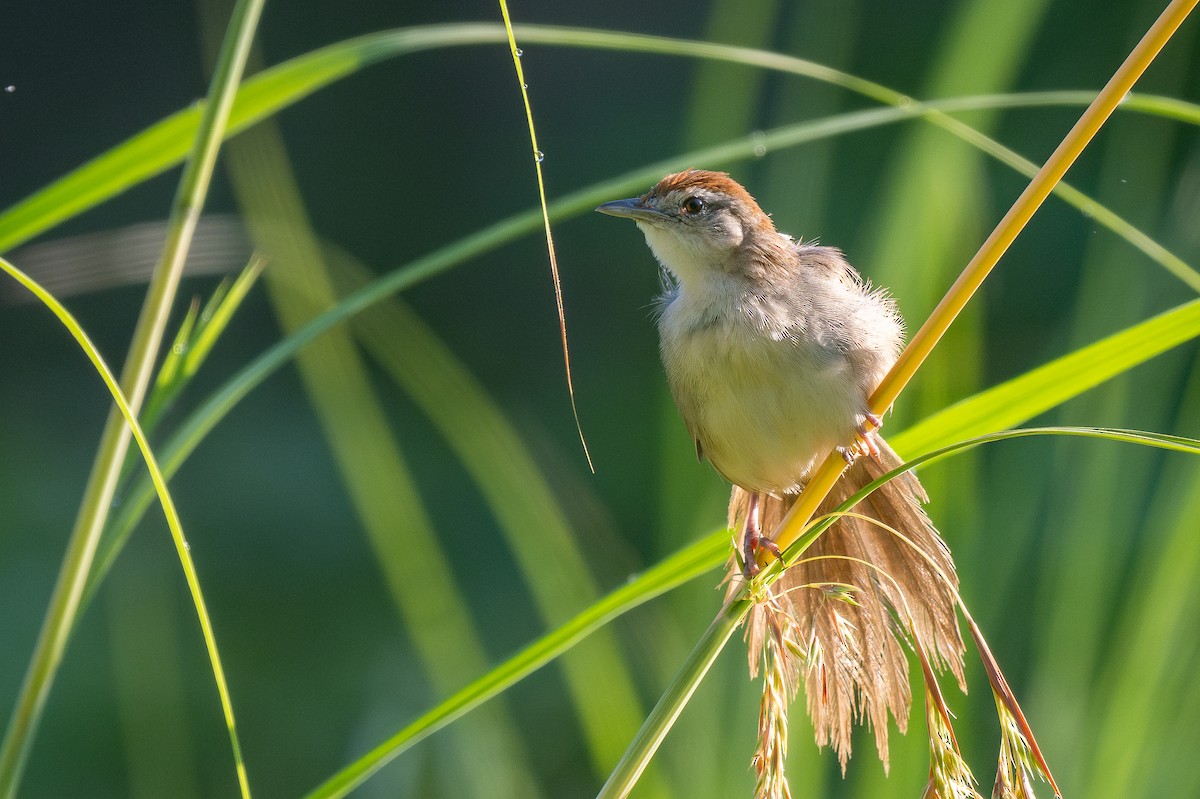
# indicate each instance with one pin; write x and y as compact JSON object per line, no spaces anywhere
{"x":671,"y":704}
{"x":1181,"y":444}
{"x":216,"y":316}
{"x":506,"y":474}
{"x":37,"y":676}
{"x":173,"y":360}
{"x":167,"y":382}
{"x":931,"y":212}
{"x":197,"y":334}
{"x":637,"y":757}
{"x":164,"y":144}
{"x":1158,"y":629}
{"x":135,"y":378}
{"x":1164,"y":441}
{"x":697,"y":559}
{"x":690,"y":562}
{"x":1087,"y":511}
{"x":376,"y":474}
{"x":1076,"y":198}
{"x":197,"y":426}
{"x":1024,"y":397}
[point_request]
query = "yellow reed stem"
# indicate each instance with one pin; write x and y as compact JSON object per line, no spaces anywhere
{"x":990,"y":252}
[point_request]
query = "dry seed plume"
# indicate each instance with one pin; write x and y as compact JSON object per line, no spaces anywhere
{"x":852,"y":641}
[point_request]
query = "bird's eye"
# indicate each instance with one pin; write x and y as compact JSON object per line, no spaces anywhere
{"x":692,"y":205}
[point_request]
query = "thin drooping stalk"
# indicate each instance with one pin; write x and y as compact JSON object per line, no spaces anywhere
{"x":993,"y":248}
{"x":538,"y":157}
{"x":135,"y":377}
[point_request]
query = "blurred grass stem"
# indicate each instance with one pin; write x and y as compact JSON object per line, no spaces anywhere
{"x":135,"y":377}
{"x":625,"y":776}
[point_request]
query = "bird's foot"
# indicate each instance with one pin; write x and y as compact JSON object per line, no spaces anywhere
{"x":753,"y":540}
{"x":866,"y":441}
{"x":750,"y":547}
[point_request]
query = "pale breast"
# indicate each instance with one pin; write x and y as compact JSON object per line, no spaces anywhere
{"x":764,"y":403}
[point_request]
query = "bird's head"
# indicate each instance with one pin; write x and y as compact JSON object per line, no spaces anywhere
{"x":695,"y":222}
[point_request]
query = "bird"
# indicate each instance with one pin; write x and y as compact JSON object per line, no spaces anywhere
{"x":772,"y":347}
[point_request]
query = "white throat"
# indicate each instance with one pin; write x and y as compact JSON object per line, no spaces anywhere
{"x":695,"y":264}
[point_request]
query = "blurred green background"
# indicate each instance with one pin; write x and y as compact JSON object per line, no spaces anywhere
{"x":1076,"y":555}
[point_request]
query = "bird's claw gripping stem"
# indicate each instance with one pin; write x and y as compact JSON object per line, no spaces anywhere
{"x":753,"y":540}
{"x":866,"y":439}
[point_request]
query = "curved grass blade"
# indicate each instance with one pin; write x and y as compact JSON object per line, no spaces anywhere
{"x":204,"y":418}
{"x":1134,"y":696}
{"x":216,"y":315}
{"x":164,"y":144}
{"x":182,"y":547}
{"x":658,"y":724}
{"x":195,"y":339}
{"x":993,"y":248}
{"x":1189,"y":446}
{"x":1024,"y":397}
{"x":641,"y":750}
{"x":409,"y":551}
{"x":699,"y":558}
{"x":135,"y":377}
{"x":506,"y":474}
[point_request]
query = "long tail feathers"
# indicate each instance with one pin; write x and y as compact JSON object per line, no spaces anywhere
{"x":855,"y":597}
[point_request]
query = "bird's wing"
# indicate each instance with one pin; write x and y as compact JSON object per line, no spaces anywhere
{"x":830,"y":261}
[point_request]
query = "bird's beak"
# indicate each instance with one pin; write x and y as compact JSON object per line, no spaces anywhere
{"x":632,"y":209}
